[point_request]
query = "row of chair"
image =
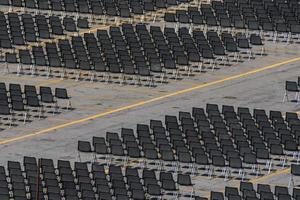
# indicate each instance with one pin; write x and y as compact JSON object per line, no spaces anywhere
{"x":124,"y":8}
{"x":253,"y":16}
{"x":15,"y":100}
{"x":19,"y":29}
{"x":134,"y":52}
{"x":248,"y":191}
{"x":237,"y":143}
{"x":42,"y":179}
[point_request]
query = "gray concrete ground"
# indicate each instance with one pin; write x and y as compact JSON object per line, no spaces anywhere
{"x":101,"y":107}
{"x":262,"y":89}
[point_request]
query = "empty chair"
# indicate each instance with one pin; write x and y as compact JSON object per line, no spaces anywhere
{"x":216,"y":196}
{"x":291,"y":87}
{"x":61,"y":93}
{"x":84,"y":147}
{"x":295,"y":171}
{"x":82,"y":23}
{"x":48,"y":98}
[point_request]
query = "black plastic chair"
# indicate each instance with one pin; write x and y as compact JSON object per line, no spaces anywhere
{"x":291,"y":86}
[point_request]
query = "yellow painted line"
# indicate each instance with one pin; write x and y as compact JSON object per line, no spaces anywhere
{"x":282,"y":51}
{"x":273,"y":174}
{"x":141,"y":103}
{"x":47,"y":82}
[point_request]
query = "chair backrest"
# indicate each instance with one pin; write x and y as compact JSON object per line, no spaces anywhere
{"x":4,"y":110}
{"x":30,"y":89}
{"x":14,"y":87}
{"x":229,"y":191}
{"x":84,"y":146}
{"x":45,"y":90}
{"x":291,"y":86}
{"x":295,"y":170}
{"x":61,"y":93}
{"x":184,"y":179}
{"x":216,"y":195}
{"x":246,"y":186}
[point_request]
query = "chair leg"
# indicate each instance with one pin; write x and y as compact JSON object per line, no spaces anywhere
{"x":257,"y":171}
{"x":55,"y":110}
{"x":69,"y":105}
{"x":213,"y":64}
{"x":7,"y":68}
{"x":108,"y":78}
{"x":92,"y":77}
{"x":250,"y":55}
{"x":188,"y":69}
{"x":210,"y":172}
{"x":243,"y":174}
{"x":227,"y":173}
{"x":79,"y":157}
{"x":149,"y":81}
{"x":285,"y":97}
{"x":139,"y":82}
{"x":19,"y":69}
{"x":78,"y":76}
{"x":48,"y":72}
{"x":122,"y":79}
{"x":283,"y":161}
{"x":298,"y":157}
{"x":176,"y":74}
{"x":270,"y":166}
{"x":162,"y":78}
{"x":262,"y":52}
{"x":291,"y":181}
{"x":40,"y":112}
{"x":11,"y":119}
{"x":24,"y":117}
{"x":33,"y":70}
{"x":200,"y":66}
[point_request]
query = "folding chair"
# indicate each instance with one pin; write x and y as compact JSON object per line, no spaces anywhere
{"x":291,"y":86}
{"x":235,"y":163}
{"x":184,"y":180}
{"x":295,"y":171}
{"x":128,"y":74}
{"x":145,"y":72}
{"x":18,"y":106}
{"x":281,"y":192}
{"x":61,"y":93}
{"x":99,"y":68}
{"x":231,"y":191}
{"x":6,"y":111}
{"x":217,"y":162}
{"x":256,"y":40}
{"x":48,"y":98}
{"x":169,"y":64}
{"x":295,"y":31}
{"x":216,"y":195}
{"x":84,"y":147}
{"x":243,"y":43}
{"x":10,"y":58}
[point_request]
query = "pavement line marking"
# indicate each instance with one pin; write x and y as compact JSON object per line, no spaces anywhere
{"x":48,"y":82}
{"x":276,"y":173}
{"x":141,"y":103}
